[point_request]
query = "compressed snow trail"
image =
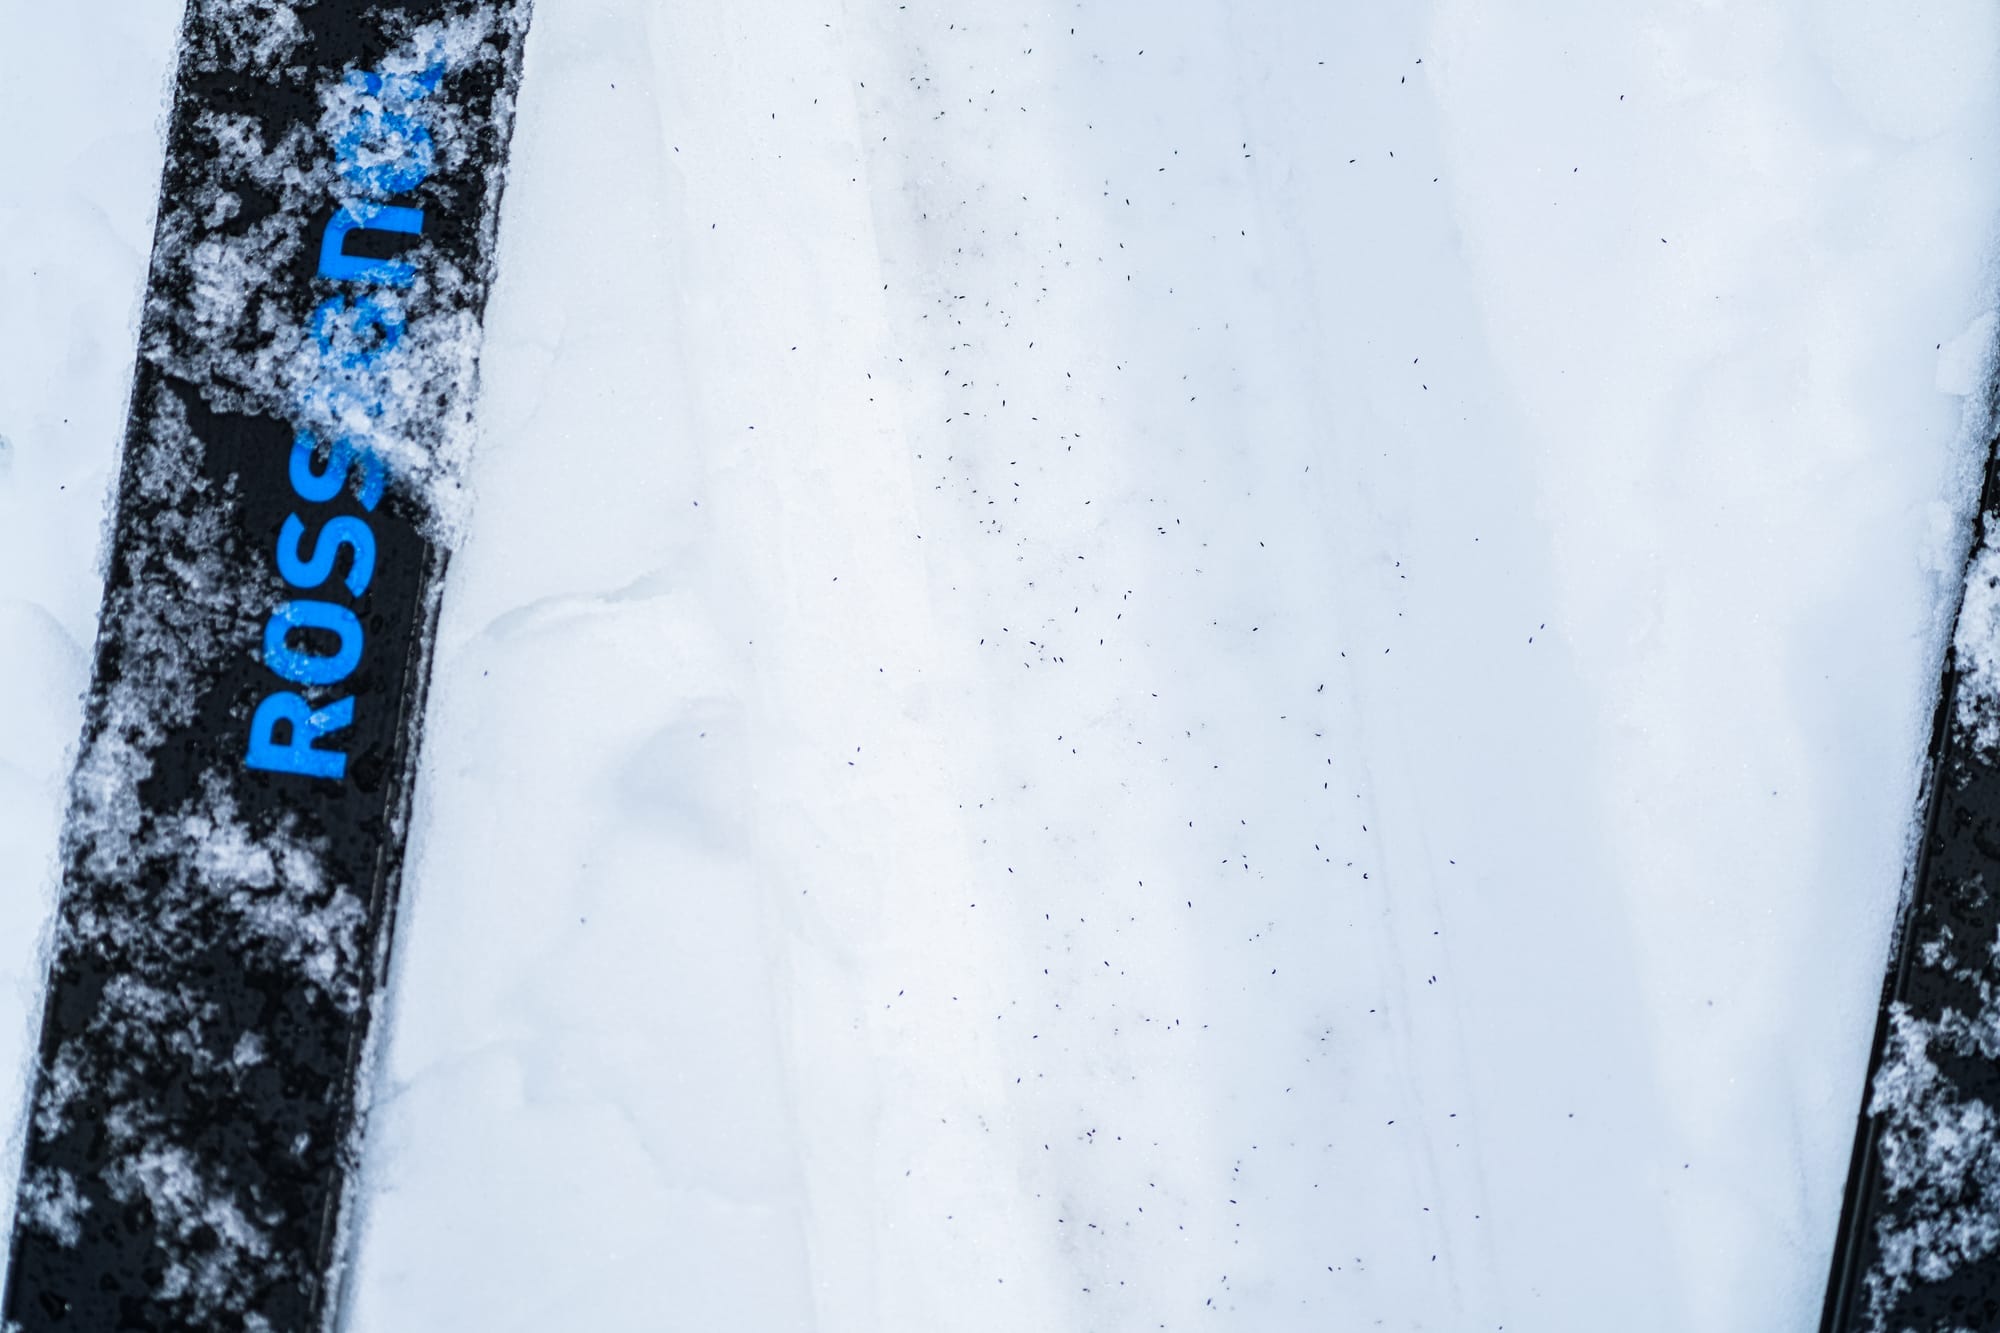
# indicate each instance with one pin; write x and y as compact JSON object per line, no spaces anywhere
{"x":1059,"y":716}
{"x":1787,"y":216}
{"x":1141,"y":666}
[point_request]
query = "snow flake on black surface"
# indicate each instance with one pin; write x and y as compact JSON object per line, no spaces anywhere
{"x":1976,"y":649}
{"x":223,"y":317}
{"x":1940,"y":1152}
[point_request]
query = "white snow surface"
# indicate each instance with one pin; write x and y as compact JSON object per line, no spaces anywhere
{"x":1124,"y":666}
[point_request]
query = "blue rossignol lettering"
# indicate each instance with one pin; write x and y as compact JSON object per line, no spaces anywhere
{"x":304,"y":725}
{"x":297,"y":664}
{"x":384,"y":150}
{"x":339,"y":266}
{"x":320,"y":487}
{"x":303,"y":571}
{"x":353,"y":336}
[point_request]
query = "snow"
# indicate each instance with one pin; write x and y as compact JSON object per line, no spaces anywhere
{"x":1073,"y":698}
{"x":1976,"y":647}
{"x":315,"y":375}
{"x":1939,"y":1149}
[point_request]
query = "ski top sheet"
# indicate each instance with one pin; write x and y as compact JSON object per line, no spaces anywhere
{"x":289,"y":486}
{"x":1919,"y":1241}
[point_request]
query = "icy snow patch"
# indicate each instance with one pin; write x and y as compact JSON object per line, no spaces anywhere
{"x":1976,"y":648}
{"x":258,"y":36}
{"x":1940,"y":1150}
{"x":242,"y":341}
{"x":50,"y":1202}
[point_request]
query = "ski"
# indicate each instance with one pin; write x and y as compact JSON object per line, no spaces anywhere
{"x":287,"y":494}
{"x":1919,"y":1240}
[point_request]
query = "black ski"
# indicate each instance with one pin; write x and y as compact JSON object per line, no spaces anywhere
{"x":1919,"y":1241}
{"x":235,"y":833}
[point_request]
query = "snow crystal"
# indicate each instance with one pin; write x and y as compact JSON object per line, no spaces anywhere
{"x":256,"y":36}
{"x":50,"y":1202}
{"x":209,"y":1277}
{"x":1976,"y":647}
{"x":176,"y":606}
{"x":1940,"y":1149}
